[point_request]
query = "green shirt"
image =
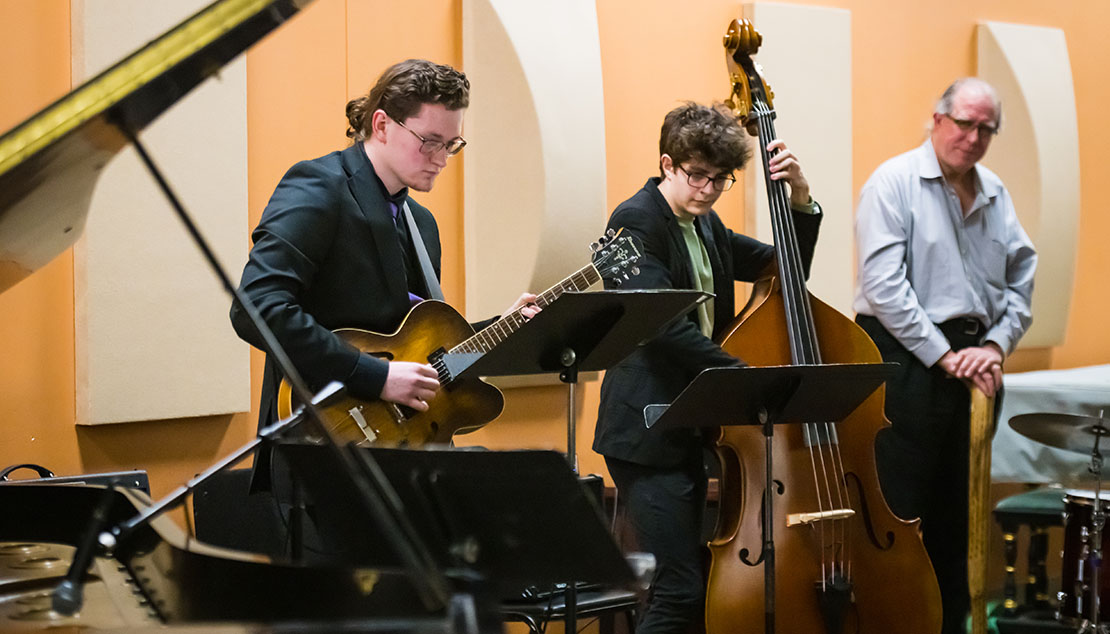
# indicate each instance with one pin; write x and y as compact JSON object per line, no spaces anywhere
{"x":703,"y":273}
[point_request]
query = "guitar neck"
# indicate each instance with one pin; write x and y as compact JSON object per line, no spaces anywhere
{"x":487,"y":338}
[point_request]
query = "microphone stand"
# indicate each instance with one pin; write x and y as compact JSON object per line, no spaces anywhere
{"x":68,"y":596}
{"x":1098,"y":520}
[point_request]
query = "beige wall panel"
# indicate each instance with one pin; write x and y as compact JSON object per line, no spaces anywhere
{"x":534,"y":184}
{"x":1038,"y":158}
{"x":807,"y":60}
{"x":152,"y":335}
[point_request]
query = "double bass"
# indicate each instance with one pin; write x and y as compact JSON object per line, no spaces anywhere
{"x":850,"y":566}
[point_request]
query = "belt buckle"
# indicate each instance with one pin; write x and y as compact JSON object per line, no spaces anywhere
{"x":971,"y":326}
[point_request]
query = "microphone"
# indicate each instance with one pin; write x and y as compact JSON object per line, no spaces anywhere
{"x":68,"y":597}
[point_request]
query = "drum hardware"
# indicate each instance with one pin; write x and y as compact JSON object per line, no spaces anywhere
{"x":1093,"y":550}
{"x":1080,"y":600}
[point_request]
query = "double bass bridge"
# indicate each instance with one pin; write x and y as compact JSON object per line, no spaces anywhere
{"x":803,"y":519}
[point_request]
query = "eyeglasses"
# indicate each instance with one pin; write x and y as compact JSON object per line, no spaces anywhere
{"x":697,"y":180}
{"x":429,"y":147}
{"x":985,"y":129}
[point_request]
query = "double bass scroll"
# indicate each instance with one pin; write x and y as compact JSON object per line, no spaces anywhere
{"x":865,"y":571}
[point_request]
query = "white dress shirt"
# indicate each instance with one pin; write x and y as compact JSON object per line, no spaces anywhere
{"x":923,"y":262}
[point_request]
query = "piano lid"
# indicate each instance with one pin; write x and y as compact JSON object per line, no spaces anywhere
{"x":49,"y":163}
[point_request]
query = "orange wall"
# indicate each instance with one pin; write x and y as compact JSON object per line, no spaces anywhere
{"x":36,"y":315}
{"x":654,"y":53}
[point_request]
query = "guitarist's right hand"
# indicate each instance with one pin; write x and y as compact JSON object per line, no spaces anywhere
{"x":410,"y":384}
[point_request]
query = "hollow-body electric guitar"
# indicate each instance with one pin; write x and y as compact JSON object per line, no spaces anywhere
{"x":429,"y":334}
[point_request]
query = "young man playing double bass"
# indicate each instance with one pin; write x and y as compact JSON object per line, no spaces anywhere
{"x":660,"y":476}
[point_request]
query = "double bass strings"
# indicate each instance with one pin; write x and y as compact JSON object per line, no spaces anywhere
{"x":830,"y":490}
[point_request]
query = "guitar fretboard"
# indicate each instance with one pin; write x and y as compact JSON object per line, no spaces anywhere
{"x":493,"y":334}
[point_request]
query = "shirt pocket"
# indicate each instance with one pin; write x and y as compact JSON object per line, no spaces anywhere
{"x":994,"y":264}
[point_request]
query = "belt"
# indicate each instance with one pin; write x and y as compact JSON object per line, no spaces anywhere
{"x":966,"y":325}
{"x":963,"y":331}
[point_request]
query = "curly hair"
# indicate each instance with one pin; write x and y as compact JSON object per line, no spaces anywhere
{"x":402,"y":89}
{"x":709,"y":134}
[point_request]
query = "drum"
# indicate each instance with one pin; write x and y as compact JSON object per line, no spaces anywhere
{"x":1078,"y":592}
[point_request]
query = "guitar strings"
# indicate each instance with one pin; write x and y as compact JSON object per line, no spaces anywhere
{"x":493,"y":334}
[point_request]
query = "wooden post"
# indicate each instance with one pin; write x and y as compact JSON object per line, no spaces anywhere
{"x":979,"y":488}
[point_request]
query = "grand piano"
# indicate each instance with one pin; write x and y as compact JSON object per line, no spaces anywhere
{"x":49,"y":165}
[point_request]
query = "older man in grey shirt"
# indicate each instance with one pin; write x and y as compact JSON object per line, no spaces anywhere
{"x":944,"y":288}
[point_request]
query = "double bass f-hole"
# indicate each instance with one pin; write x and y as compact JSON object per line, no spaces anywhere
{"x":745,"y":553}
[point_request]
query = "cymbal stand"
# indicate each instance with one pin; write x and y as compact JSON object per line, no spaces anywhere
{"x":1098,"y":519}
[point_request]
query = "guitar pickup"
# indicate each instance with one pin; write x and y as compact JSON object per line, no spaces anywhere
{"x":796,"y":519}
{"x":452,"y":364}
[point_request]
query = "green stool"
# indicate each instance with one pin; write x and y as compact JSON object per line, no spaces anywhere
{"x":1039,"y":510}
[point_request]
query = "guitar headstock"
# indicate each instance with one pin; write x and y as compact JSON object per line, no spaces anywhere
{"x":616,"y":255}
{"x":749,"y":87}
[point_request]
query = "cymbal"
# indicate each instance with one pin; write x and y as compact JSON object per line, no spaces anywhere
{"x":1070,"y":432}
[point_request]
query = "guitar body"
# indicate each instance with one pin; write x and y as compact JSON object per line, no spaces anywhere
{"x":463,"y":405}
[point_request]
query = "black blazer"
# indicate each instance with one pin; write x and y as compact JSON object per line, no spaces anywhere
{"x":326,"y":256}
{"x":661,"y":368}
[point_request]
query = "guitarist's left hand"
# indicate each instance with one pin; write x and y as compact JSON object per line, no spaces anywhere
{"x":526,"y":303}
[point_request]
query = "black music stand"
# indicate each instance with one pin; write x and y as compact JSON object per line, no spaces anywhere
{"x":478,"y":511}
{"x":768,"y":396}
{"x":581,"y":332}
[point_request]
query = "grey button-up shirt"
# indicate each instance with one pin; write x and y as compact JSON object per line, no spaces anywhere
{"x":922,"y":262}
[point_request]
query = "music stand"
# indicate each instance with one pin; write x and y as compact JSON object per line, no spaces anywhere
{"x":480,"y":512}
{"x":582,"y":332}
{"x":768,"y":396}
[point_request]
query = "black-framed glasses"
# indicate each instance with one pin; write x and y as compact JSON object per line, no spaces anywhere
{"x":985,"y":129}
{"x":697,"y":180}
{"x":429,"y":147}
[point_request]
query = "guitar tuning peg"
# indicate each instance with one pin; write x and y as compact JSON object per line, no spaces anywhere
{"x":594,"y":247}
{"x":617,"y":281}
{"x":635,"y":270}
{"x":625,"y":276}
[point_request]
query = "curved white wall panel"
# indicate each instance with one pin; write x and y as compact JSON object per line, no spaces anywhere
{"x":534,"y":173}
{"x":1037,"y":157}
{"x":152,"y":335}
{"x":807,"y":58}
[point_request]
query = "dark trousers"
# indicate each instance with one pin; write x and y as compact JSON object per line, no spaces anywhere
{"x":665,"y":507}
{"x":922,"y":458}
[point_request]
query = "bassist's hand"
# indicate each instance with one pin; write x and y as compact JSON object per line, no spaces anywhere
{"x":410,"y":384}
{"x":785,"y":166}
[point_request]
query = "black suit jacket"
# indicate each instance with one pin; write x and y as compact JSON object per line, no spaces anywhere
{"x":326,"y":255}
{"x":661,"y":368}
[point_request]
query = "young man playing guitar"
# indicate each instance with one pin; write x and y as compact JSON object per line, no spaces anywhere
{"x":334,"y":247}
{"x":334,"y":250}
